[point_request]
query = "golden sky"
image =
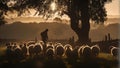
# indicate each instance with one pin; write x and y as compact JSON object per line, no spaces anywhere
{"x":113,"y":8}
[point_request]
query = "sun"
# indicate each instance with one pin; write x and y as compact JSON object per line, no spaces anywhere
{"x":53,"y":6}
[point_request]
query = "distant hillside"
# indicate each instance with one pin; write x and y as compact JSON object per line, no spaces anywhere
{"x":112,"y":19}
{"x":101,"y":31}
{"x":30,"y":31}
{"x":56,"y":31}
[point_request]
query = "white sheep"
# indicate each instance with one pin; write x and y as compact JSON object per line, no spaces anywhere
{"x":59,"y":49}
{"x":68,"y":50}
{"x":86,"y":51}
{"x":40,"y":44}
{"x":50,"y":45}
{"x":95,"y":50}
{"x":50,"y":52}
{"x":75,"y":51}
{"x":114,"y":51}
{"x":80,"y":49}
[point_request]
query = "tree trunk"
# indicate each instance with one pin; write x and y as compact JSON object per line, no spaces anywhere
{"x":83,"y":32}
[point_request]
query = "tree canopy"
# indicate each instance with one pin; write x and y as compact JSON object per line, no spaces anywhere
{"x":97,"y":10}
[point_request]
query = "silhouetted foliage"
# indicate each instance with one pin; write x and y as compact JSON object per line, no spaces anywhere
{"x":2,"y":21}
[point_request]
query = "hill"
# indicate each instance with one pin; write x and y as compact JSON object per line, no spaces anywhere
{"x":29,"y":31}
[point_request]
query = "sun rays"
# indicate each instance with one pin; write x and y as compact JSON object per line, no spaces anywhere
{"x":53,"y":6}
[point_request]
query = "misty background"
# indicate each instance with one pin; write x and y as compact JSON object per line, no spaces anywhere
{"x":57,"y":30}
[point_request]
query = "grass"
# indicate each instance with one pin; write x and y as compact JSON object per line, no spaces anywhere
{"x":2,"y":50}
{"x":107,"y":56}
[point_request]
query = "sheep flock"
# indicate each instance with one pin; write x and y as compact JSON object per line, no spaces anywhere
{"x":50,"y":49}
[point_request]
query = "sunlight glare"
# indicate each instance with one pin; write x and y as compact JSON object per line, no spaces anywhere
{"x":53,"y":6}
{"x":11,"y":3}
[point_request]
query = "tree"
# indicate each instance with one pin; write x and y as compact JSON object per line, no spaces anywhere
{"x":84,"y":11}
{"x":2,"y":21}
{"x":79,"y":11}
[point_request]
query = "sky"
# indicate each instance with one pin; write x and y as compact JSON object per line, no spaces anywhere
{"x":113,"y":8}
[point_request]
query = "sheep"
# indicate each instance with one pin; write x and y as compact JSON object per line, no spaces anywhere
{"x":10,"y":53}
{"x":110,"y":47}
{"x":59,"y":50}
{"x":50,"y":45}
{"x":30,"y":42}
{"x":68,"y":50}
{"x":40,"y":44}
{"x":18,"y":53}
{"x":12,"y":46}
{"x":95,"y":50}
{"x":50,"y":52}
{"x":16,"y":46}
{"x":56,"y":44}
{"x":24,"y":50}
{"x":86,"y":51}
{"x":9,"y":46}
{"x":68,"y":46}
{"x":80,"y":51}
{"x":75,"y":52}
{"x":31,"y":50}
{"x":114,"y":51}
{"x":37,"y":49}
{"x":21,"y":45}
